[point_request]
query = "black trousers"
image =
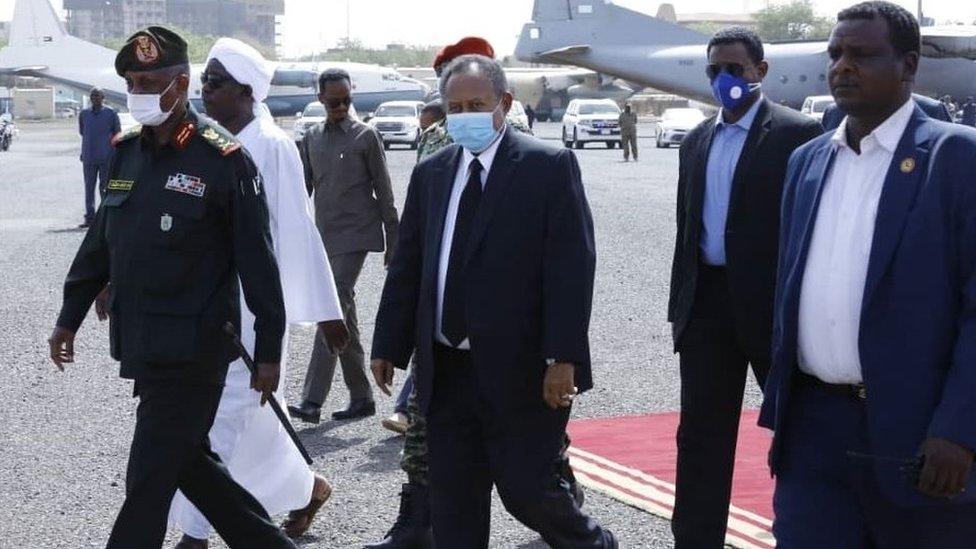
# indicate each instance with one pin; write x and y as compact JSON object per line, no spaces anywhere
{"x":470,"y":449}
{"x":713,"y":376}
{"x":170,"y":450}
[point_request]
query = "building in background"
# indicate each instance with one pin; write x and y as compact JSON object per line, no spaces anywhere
{"x":106,"y":20}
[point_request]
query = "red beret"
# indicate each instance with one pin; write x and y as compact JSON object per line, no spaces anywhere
{"x":471,"y":45}
{"x":440,"y":58}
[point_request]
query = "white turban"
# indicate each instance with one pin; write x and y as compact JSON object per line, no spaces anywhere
{"x":248,"y":67}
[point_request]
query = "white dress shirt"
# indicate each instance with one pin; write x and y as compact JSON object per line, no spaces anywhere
{"x":840,"y":249}
{"x":486,"y":157}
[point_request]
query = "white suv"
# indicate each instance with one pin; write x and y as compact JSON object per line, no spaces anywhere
{"x":589,"y":120}
{"x":398,"y":122}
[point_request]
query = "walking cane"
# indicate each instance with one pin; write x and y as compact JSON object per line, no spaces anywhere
{"x":282,"y":417}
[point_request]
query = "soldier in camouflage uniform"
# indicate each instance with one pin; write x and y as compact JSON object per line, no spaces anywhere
{"x":412,"y":530}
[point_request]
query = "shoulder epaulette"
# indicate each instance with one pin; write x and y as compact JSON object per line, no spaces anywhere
{"x":124,"y":135}
{"x":219,"y":138}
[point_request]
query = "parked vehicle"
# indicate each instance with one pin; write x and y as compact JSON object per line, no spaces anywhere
{"x":675,"y":125}
{"x":816,"y":105}
{"x":398,"y":122}
{"x":591,"y":120}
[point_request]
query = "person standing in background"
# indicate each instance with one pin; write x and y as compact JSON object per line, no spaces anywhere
{"x":97,"y":125}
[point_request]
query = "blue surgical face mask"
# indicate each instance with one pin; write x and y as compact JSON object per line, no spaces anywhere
{"x":474,"y":131}
{"x":731,"y":91}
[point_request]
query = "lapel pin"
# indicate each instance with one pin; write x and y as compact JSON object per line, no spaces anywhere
{"x":908,"y":165}
{"x":165,"y":223}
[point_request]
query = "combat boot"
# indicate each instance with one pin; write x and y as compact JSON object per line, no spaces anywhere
{"x":411,"y":530}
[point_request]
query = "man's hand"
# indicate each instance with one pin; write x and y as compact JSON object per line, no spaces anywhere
{"x":383,"y":374}
{"x":558,"y":389}
{"x":946,"y":469}
{"x":265,"y":380}
{"x":101,"y":304}
{"x":62,"y":343}
{"x":334,"y":334}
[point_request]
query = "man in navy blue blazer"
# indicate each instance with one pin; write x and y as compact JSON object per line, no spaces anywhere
{"x":491,"y":285}
{"x":874,"y":345}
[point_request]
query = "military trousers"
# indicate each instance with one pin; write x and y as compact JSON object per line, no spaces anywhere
{"x":170,"y":450}
{"x":321,"y":366}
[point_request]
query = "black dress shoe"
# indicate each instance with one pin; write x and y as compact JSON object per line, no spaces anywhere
{"x":307,"y":412}
{"x":411,"y":530}
{"x":356,"y":409}
{"x":191,"y":543}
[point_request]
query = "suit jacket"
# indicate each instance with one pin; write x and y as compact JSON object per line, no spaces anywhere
{"x":917,"y":337}
{"x":752,"y":228}
{"x":530,"y":267}
{"x":933,"y":108}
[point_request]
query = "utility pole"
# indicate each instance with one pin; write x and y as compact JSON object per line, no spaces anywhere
{"x":920,"y":16}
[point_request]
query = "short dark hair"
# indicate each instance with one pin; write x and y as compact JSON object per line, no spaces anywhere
{"x":333,"y":75}
{"x":739,"y":35}
{"x":434,"y":107}
{"x":476,"y":64}
{"x":902,"y":26}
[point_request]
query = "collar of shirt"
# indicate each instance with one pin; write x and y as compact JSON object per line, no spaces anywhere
{"x":887,"y":135}
{"x":343,"y":124}
{"x":745,"y":122}
{"x":486,"y":157}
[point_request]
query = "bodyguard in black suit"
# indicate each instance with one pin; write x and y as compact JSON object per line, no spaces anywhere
{"x":730,"y":181}
{"x":491,"y":284}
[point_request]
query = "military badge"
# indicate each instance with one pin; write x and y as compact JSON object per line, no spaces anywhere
{"x":186,"y":184}
{"x":165,"y":223}
{"x":908,"y":165}
{"x":120,"y":185}
{"x":147,"y":52}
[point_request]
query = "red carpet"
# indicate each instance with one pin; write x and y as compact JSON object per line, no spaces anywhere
{"x":632,"y":459}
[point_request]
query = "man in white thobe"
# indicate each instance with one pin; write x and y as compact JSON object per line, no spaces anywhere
{"x":246,"y":436}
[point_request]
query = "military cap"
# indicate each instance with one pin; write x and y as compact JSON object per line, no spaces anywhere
{"x":465,"y":46}
{"x":150,"y":49}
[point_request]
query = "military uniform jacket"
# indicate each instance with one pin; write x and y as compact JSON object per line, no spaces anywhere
{"x":177,"y":227}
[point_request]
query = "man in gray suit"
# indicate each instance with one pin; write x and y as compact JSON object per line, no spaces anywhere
{"x":346,"y":175}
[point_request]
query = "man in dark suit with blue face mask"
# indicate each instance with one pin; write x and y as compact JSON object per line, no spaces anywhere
{"x":491,"y":285}
{"x":730,"y":180}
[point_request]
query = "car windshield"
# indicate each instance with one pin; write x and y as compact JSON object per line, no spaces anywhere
{"x":598,"y":108}
{"x":396,"y":111}
{"x":822,"y":105}
{"x":314,"y":109}
{"x":683,"y":115}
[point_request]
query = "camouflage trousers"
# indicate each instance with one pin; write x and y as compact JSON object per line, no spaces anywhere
{"x":414,"y":458}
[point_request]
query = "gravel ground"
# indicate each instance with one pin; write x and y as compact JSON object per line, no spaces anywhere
{"x":64,"y":437}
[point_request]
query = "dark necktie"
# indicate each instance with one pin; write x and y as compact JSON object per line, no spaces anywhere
{"x":453,"y":324}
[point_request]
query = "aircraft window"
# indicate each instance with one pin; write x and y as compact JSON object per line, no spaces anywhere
{"x":803,"y":78}
{"x":823,"y":77}
{"x":585,"y":8}
{"x":783,"y":79}
{"x":534,"y":34}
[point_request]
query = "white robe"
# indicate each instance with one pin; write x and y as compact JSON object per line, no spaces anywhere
{"x":247,"y":437}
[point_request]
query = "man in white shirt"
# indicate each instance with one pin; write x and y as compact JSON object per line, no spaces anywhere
{"x":248,"y":437}
{"x":872,"y":394}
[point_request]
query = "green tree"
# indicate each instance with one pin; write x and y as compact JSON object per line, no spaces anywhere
{"x":793,"y":21}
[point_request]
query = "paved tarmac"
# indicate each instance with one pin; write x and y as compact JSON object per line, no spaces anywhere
{"x":64,"y":436}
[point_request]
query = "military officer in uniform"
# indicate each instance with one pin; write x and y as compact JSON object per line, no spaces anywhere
{"x":184,"y":217}
{"x":628,"y":132}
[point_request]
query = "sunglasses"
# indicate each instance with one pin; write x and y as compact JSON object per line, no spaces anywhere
{"x":715,"y":69}
{"x":215,"y":80}
{"x":340,"y":102}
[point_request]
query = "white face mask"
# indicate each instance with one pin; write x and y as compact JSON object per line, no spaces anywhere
{"x":145,"y":108}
